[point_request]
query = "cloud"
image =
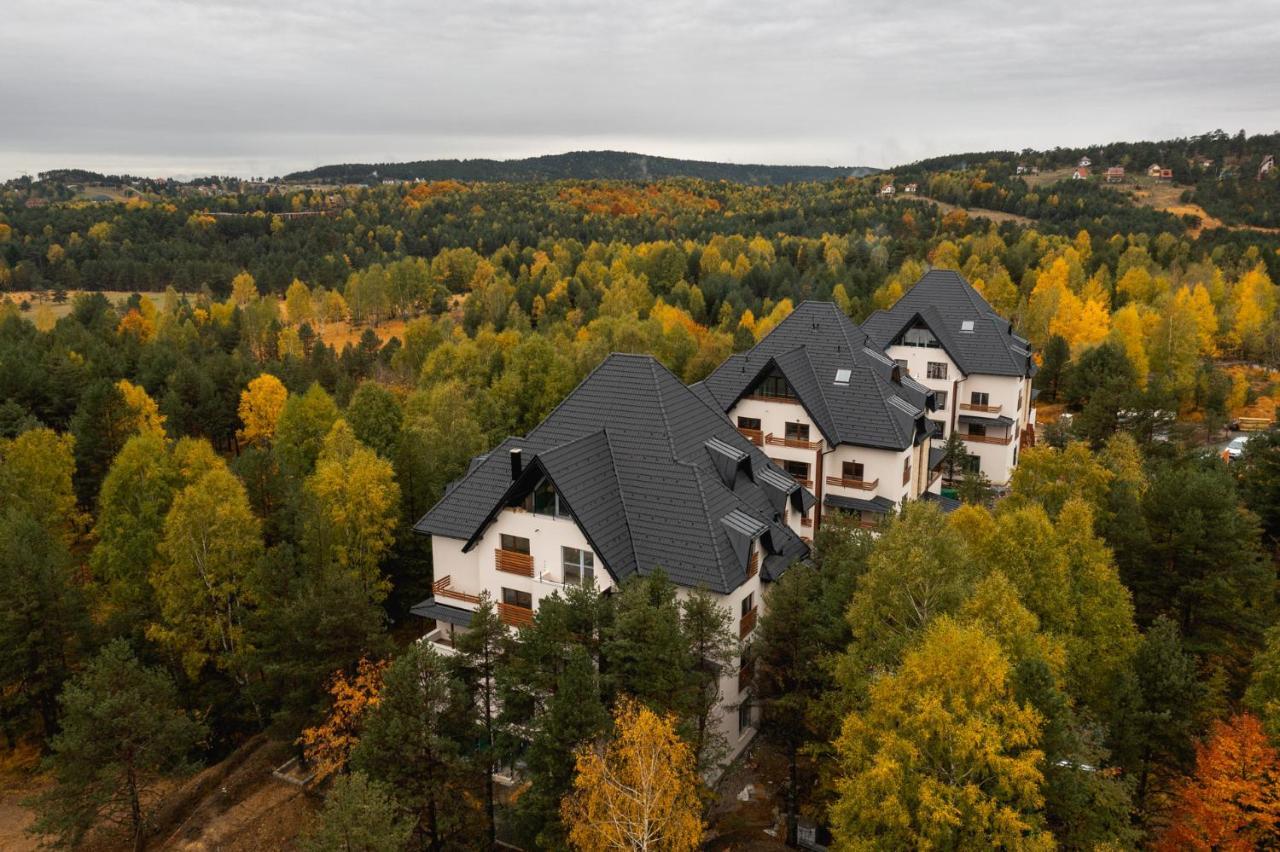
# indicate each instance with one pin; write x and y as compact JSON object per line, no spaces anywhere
{"x":251,"y":87}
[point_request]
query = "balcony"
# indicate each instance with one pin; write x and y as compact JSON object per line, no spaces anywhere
{"x":747,"y":624}
{"x":755,"y":436}
{"x":515,"y":616}
{"x":988,"y":439}
{"x":512,"y":562}
{"x":769,"y":397}
{"x":985,"y":409}
{"x":441,"y":589}
{"x":753,"y":567}
{"x":807,"y":483}
{"x":773,"y":440}
{"x":860,"y":484}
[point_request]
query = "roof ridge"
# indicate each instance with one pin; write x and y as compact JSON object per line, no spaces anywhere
{"x":662,"y":407}
{"x":711,"y":525}
{"x":622,"y":498}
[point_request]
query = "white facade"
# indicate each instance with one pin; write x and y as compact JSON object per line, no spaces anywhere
{"x":460,"y":577}
{"x":895,"y":475}
{"x":996,"y":397}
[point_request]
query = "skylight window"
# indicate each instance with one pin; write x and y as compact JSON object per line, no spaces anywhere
{"x":842,"y":376}
{"x":967,"y":325}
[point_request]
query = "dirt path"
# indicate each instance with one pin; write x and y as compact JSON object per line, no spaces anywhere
{"x":976,"y":212}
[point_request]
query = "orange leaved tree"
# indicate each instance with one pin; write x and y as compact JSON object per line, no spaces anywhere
{"x":637,"y":791}
{"x":328,"y":745}
{"x":1233,"y":800}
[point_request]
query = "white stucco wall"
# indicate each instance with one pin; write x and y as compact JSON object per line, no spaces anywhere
{"x":996,"y":461}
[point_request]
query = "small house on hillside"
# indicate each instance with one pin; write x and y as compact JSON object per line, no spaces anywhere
{"x":1153,"y":170}
{"x":1115,"y":174}
{"x":887,"y":190}
{"x":911,"y":188}
{"x":1022,"y":170}
{"x":1166,"y":174}
{"x":1085,"y":163}
{"x":1080,"y":173}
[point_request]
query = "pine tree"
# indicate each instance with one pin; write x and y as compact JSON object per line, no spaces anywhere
{"x":123,"y":733}
{"x":359,"y":815}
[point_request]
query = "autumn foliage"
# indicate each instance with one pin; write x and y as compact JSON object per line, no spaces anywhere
{"x":328,"y":745}
{"x":636,"y":791}
{"x":1233,"y":800}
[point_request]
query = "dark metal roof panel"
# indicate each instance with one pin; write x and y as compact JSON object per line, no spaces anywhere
{"x":946,"y":302}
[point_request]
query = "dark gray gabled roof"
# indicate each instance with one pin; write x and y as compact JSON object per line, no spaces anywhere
{"x":654,"y":475}
{"x":976,"y":338}
{"x":813,"y":347}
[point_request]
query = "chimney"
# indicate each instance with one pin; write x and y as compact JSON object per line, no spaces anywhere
{"x":515,"y":463}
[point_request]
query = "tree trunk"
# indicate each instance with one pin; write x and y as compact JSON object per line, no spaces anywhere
{"x":792,"y":794}
{"x":135,"y":813}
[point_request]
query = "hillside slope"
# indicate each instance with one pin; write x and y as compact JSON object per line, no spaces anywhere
{"x":576,"y":165}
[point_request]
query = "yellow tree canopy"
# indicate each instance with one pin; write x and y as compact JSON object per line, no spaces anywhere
{"x":260,"y":406}
{"x":637,"y":791}
{"x":144,"y":414}
{"x":944,"y":756}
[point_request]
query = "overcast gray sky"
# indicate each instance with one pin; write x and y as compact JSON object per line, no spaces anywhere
{"x":182,"y":87}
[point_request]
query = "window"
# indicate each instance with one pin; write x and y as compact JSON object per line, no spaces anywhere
{"x":748,"y":603}
{"x":967,"y":326}
{"x":511,"y":597}
{"x":1019,"y":409}
{"x":982,"y":399}
{"x":940,"y":400}
{"x":843,"y":375}
{"x":937,"y":370}
{"x":902,"y":365}
{"x":972,"y":464}
{"x":579,"y":566}
{"x":852,"y":470}
{"x":939,"y":427}
{"x":749,"y":423}
{"x":918,"y":336}
{"x":979,"y":429}
{"x":798,"y":470}
{"x":744,"y":716}
{"x":515,"y":543}
{"x":797,"y":432}
{"x":546,"y":501}
{"x":906,"y":470}
{"x":775,"y":385}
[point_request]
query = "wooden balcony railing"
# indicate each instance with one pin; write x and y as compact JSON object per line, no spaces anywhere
{"x":769,"y":397}
{"x":774,"y":440}
{"x":844,"y":482}
{"x":753,"y":566}
{"x":806,"y":522}
{"x":747,"y":624}
{"x":807,"y":483}
{"x":516,"y":616}
{"x":440,"y":588}
{"x":755,"y":436}
{"x":988,"y":439}
{"x":513,"y":563}
{"x":987,"y":409}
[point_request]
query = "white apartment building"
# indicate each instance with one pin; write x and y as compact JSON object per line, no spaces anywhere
{"x":830,"y":409}
{"x":947,"y":338}
{"x":631,"y":473}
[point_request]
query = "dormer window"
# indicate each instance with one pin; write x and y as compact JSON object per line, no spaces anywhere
{"x":775,"y":385}
{"x":544,"y":500}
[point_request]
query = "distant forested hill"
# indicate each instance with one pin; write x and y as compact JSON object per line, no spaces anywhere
{"x":577,"y":165}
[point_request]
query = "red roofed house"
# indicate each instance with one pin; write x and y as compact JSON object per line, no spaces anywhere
{"x":1115,"y":174}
